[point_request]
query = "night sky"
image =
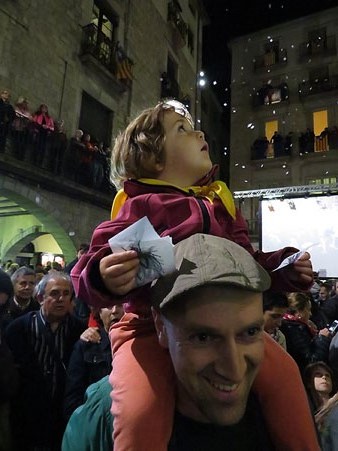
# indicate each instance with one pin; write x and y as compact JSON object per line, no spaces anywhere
{"x":232,"y":18}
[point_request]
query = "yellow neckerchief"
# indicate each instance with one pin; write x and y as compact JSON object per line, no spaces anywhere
{"x":216,"y":188}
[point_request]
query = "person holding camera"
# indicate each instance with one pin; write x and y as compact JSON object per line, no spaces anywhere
{"x":304,"y":342}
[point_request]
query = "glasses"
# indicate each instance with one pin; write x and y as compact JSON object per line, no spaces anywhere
{"x":179,"y":108}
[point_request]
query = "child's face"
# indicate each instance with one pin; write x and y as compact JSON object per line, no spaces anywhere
{"x":187,"y":156}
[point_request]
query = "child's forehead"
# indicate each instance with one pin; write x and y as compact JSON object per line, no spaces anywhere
{"x":179,"y":108}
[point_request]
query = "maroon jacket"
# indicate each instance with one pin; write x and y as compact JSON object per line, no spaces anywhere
{"x":172,"y":212}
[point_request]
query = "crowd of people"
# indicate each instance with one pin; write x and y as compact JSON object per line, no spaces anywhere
{"x":40,"y":140}
{"x":200,"y":355}
{"x":283,"y":146}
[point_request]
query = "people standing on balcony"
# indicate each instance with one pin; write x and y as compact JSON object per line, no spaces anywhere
{"x":7,"y":116}
{"x":86,"y":161}
{"x":278,"y":144}
{"x":58,"y":148}
{"x":20,"y":127}
{"x":73,"y":156}
{"x":167,"y":175}
{"x":44,"y":126}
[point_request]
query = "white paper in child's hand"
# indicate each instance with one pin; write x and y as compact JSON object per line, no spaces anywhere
{"x":156,"y":254}
{"x":292,"y":258}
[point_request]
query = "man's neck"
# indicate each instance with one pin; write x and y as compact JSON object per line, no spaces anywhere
{"x":22,"y":303}
{"x":51,"y":320}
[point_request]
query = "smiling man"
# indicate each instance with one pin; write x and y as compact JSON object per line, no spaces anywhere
{"x":210,"y":318}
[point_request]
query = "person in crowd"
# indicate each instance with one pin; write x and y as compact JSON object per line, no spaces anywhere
{"x":275,"y":306}
{"x":90,"y":361}
{"x":73,"y":156}
{"x":11,"y":268}
{"x":81,"y":309}
{"x":330,"y":306}
{"x":303,"y":340}
{"x":319,"y":383}
{"x":162,"y":161}
{"x":324,"y":293}
{"x":8,"y":372}
{"x":21,"y":126}
{"x":86,"y":161}
{"x":41,"y":343}
{"x":278,"y":144}
{"x":7,"y":116}
{"x":81,"y":250}
{"x":58,"y":148}
{"x":208,"y":317}
{"x":23,"y":301}
{"x":99,"y":162}
{"x":44,"y":125}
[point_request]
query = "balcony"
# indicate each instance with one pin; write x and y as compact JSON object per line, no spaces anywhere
{"x":308,"y":88}
{"x":54,"y":167}
{"x":271,"y":60}
{"x":271,"y":95}
{"x":318,"y":48}
{"x":180,"y":28}
{"x":98,"y":50}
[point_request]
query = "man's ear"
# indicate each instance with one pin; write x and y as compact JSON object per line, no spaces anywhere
{"x":160,"y":328}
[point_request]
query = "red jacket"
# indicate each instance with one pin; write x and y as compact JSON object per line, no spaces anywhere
{"x":172,"y":212}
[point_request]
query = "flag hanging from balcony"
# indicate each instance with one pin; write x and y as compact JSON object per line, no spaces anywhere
{"x":124,"y":65}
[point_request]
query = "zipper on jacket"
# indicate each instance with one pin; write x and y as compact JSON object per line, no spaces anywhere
{"x":205,"y":214}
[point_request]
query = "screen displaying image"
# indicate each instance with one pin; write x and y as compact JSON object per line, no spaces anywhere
{"x":305,"y":223}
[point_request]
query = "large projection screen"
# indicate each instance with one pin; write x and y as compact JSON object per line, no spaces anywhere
{"x":301,"y":223}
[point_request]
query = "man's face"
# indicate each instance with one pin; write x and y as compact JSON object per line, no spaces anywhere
{"x":24,"y":287}
{"x":323,"y":293}
{"x":273,"y":318}
{"x":216,"y":346}
{"x":57,"y":299}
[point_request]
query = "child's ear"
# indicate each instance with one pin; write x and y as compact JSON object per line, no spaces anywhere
{"x":159,"y":166}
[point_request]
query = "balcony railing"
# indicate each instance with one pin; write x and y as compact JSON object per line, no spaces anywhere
{"x":108,"y":53}
{"x":308,"y":87}
{"x":319,"y":48}
{"x":271,"y":60}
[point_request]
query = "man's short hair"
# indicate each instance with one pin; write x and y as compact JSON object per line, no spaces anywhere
{"x":208,"y":260}
{"x":22,"y":271}
{"x":273,"y":299}
{"x":51,"y":275}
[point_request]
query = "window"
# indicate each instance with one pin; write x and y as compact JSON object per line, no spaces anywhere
{"x":317,"y":40}
{"x":271,"y":54}
{"x":105,"y":19}
{"x":190,"y":40}
{"x":270,"y":128}
{"x":320,"y":74}
{"x":319,"y":121}
{"x":96,"y":119}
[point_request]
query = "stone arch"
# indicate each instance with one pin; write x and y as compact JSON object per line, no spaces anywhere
{"x":47,"y":213}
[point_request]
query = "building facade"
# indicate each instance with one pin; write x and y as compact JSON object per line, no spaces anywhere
{"x":95,"y":64}
{"x":284,"y":111}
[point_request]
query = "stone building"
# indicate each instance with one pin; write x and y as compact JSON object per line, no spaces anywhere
{"x":95,"y":64}
{"x":284,"y":111}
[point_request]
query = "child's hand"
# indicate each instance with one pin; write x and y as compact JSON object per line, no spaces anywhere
{"x":119,"y":271}
{"x":301,"y":270}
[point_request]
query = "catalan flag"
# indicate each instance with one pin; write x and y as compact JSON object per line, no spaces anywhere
{"x":124,"y":69}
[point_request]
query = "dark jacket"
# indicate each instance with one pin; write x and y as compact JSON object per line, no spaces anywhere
{"x":12,"y":311}
{"x":302,"y":345}
{"x":88,"y":363}
{"x":37,"y":409}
